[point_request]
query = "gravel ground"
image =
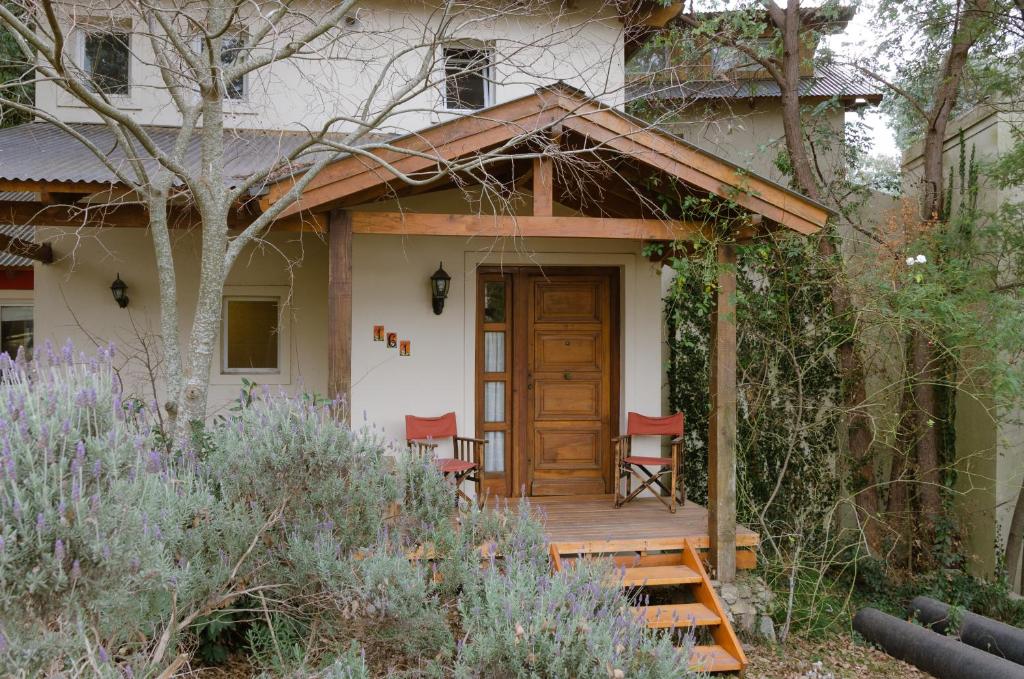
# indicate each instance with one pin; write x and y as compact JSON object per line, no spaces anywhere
{"x":838,"y":658}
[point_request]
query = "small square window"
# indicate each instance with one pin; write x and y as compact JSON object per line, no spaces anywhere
{"x":251,"y":335}
{"x":468,"y":78}
{"x":16,"y":329}
{"x":106,"y":61}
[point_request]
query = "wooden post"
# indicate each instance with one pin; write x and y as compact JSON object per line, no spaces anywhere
{"x":722,"y":420}
{"x":543,"y":187}
{"x":339,"y":308}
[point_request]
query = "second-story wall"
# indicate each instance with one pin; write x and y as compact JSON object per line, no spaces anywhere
{"x":381,"y":50}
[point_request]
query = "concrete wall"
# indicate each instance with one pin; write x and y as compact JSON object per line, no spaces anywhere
{"x":990,"y":436}
{"x":581,"y":45}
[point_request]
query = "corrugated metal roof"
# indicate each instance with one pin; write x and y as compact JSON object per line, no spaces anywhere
{"x":44,"y":152}
{"x":827,"y":82}
{"x":24,"y":232}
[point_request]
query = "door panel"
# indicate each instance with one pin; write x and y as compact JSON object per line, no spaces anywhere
{"x":567,"y":358}
{"x":568,"y":350}
{"x":562,"y":301}
{"x":561,"y":399}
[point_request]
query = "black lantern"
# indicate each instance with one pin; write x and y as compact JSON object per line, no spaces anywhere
{"x":439,"y":284}
{"x":120,"y":291}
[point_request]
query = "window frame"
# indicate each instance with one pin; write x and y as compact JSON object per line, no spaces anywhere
{"x":282,"y":356}
{"x":88,"y":29}
{"x":18,"y":302}
{"x":487,"y":74}
{"x":199,"y":45}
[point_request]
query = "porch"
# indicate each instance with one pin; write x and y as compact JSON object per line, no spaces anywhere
{"x":592,"y":523}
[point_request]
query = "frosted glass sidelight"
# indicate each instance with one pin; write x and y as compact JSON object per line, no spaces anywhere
{"x":495,"y":454}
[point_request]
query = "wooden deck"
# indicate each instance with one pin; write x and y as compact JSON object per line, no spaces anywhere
{"x":643,"y":524}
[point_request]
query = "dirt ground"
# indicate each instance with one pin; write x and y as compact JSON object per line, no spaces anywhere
{"x":838,"y":658}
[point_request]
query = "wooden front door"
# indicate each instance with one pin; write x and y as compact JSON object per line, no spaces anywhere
{"x":549,"y":400}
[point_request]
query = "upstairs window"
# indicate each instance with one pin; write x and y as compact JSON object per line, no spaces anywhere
{"x":251,"y":335}
{"x":106,"y":59}
{"x":468,"y":78}
{"x":230,"y":49}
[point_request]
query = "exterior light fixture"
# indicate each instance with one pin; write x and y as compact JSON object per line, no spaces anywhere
{"x":119,"y":289}
{"x":440,"y":281}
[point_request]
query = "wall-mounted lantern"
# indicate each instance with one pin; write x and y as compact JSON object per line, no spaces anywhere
{"x":439,"y":284}
{"x":119,"y":289}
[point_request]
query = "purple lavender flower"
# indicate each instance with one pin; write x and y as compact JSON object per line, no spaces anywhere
{"x":3,"y":638}
{"x":97,"y":467}
{"x":40,"y":522}
{"x":16,"y":509}
{"x":76,"y":490}
{"x":76,"y":570}
{"x":58,"y":550}
{"x":103,"y":655}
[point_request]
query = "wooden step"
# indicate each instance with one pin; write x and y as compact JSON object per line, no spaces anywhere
{"x":659,"y":575}
{"x":713,"y":659}
{"x":677,"y":615}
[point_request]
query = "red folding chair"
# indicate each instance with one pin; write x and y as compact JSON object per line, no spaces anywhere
{"x":628,"y":465}
{"x":422,"y":435}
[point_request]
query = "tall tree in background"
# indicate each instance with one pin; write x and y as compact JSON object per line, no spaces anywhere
{"x":776,"y":38}
{"x":948,"y":42}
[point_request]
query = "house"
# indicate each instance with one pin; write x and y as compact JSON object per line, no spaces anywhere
{"x":521,"y":298}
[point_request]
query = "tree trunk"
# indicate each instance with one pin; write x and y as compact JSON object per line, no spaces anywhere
{"x":926,"y":432}
{"x":859,"y":429}
{"x":1015,"y":543}
{"x":933,"y":199}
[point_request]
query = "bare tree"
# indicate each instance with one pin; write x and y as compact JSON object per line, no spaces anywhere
{"x":372,"y":76}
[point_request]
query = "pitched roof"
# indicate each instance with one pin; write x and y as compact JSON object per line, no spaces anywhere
{"x":42,"y":152}
{"x":356,"y":179}
{"x":827,"y":82}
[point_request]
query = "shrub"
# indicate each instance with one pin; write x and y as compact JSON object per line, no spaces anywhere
{"x":274,"y":535}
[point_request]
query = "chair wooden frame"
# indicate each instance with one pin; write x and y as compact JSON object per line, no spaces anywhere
{"x":628,"y":466}
{"x":466,"y":450}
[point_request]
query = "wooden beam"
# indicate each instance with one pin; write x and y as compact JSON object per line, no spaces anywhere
{"x":339,"y":309}
{"x":84,"y":188}
{"x":543,"y":186}
{"x":133,"y":215}
{"x":722,"y":420}
{"x":40,"y":252}
{"x":419,"y":224}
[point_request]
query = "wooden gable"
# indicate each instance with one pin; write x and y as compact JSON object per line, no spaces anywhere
{"x":496,"y":135}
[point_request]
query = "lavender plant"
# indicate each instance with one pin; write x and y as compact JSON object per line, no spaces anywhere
{"x":522,"y":620}
{"x":120,"y":552}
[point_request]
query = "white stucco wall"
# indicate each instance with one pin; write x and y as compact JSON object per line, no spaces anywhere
{"x":581,"y":45}
{"x":73,"y":300}
{"x":390,"y":288}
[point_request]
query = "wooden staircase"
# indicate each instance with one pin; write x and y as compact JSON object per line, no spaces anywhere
{"x":679,"y":568}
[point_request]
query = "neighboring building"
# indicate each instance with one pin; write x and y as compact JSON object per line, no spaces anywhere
{"x":989,"y":438}
{"x":719,"y":99}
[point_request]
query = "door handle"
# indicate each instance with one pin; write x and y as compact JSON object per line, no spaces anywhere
{"x":567,"y":375}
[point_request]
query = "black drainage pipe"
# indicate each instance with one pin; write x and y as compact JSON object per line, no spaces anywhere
{"x":990,"y":635}
{"x":941,"y":656}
